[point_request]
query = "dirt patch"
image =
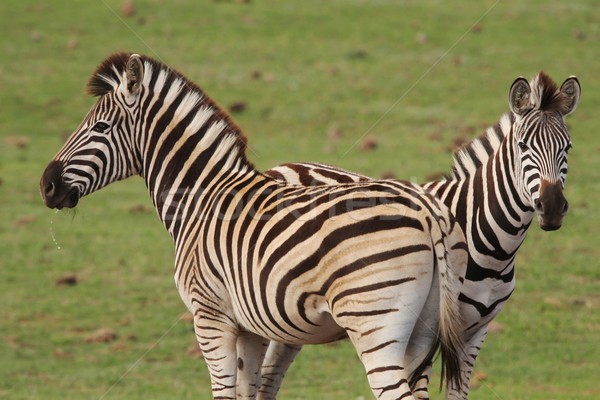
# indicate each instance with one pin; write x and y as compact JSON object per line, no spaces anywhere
{"x":20,"y":142}
{"x":102,"y":335}
{"x":25,"y":220}
{"x":140,"y":209}
{"x":369,"y":144}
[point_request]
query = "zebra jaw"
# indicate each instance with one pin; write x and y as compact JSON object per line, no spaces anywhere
{"x":55,"y":192}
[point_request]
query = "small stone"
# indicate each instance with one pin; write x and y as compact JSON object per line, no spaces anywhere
{"x":553,"y":301}
{"x":579,"y":35}
{"x":357,"y":54}
{"x":581,"y":303}
{"x":60,"y":353}
{"x":139,"y":209}
{"x":388,"y":175}
{"x":188,"y":318}
{"x":482,"y":376}
{"x":334,"y":134}
{"x":369,"y":144}
{"x":72,"y":44}
{"x":127,"y":8}
{"x":477,"y":378}
{"x":119,"y":347}
{"x":238,"y":107}
{"x":131,"y":337}
{"x":36,"y":36}
{"x":422,"y":38}
{"x":67,"y":280}
{"x":495,"y":327}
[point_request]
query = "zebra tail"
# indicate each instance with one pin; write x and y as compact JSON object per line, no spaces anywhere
{"x":452,"y":260}
{"x":451,"y":256}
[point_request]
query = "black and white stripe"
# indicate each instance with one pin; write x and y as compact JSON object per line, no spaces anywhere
{"x":500,"y":180}
{"x":259,"y":260}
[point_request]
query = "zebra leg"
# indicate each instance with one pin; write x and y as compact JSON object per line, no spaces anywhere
{"x":278,"y":359}
{"x":382,"y":355}
{"x":422,"y":340}
{"x":251,"y":350}
{"x":420,"y":390}
{"x":217,"y":339}
{"x":472,"y":348}
{"x":380,"y":330}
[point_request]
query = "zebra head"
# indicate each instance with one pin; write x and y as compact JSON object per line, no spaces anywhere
{"x":102,"y":149}
{"x":540,"y":143}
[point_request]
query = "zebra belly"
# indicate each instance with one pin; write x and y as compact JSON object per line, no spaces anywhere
{"x":311,"y":323}
{"x":317,"y":306}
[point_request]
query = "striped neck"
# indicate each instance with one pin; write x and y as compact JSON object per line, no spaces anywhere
{"x":188,"y":145}
{"x":482,"y":193}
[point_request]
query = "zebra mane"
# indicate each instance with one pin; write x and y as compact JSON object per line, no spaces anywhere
{"x":474,"y":154}
{"x":111,"y":73}
{"x":545,"y":96}
{"x":108,"y":75}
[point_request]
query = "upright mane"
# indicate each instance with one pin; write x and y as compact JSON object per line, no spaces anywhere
{"x":474,"y":154}
{"x":545,"y":96}
{"x":108,"y":75}
{"x":111,"y":73}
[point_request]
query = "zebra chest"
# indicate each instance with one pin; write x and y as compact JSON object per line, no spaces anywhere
{"x":483,"y":296}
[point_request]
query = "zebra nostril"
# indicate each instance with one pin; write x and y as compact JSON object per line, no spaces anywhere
{"x":539,"y":207}
{"x":49,"y":189}
{"x":566,"y":207}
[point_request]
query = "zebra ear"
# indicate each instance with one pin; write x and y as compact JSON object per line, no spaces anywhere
{"x":134,"y":72}
{"x":571,"y":91}
{"x":518,"y":96}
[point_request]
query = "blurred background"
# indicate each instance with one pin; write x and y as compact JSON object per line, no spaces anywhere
{"x":384,"y":88}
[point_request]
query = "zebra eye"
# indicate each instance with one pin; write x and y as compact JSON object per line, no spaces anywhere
{"x":523,"y":146}
{"x":100,"y":127}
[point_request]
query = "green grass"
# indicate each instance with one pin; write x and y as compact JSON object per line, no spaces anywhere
{"x":411,"y":76}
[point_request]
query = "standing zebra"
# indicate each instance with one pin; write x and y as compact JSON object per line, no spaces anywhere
{"x":259,"y":260}
{"x":499,"y":182}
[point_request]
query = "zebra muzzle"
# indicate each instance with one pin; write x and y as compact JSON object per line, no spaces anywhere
{"x":552,"y":206}
{"x":55,"y":192}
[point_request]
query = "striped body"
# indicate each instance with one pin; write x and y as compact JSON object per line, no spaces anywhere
{"x":258,"y":259}
{"x":499,"y":182}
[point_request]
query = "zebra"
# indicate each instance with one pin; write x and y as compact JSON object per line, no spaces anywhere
{"x":258,"y":260}
{"x":499,"y":182}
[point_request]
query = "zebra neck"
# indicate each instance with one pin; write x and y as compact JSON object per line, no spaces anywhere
{"x":490,"y":210}
{"x":189,"y":158}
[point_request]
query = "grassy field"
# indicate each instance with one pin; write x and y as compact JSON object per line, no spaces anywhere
{"x":88,"y":305}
